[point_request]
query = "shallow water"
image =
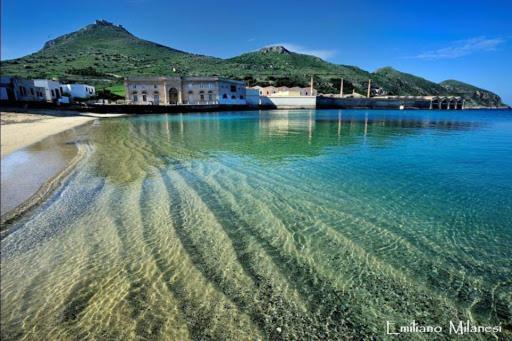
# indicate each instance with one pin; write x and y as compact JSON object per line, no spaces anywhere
{"x":25,"y":171}
{"x":269,"y":225}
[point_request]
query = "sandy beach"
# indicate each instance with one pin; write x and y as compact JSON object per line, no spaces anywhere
{"x":44,"y":156}
{"x":19,"y":130}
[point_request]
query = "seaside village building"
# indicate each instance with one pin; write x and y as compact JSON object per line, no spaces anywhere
{"x":53,"y":90}
{"x":19,"y":89}
{"x":184,"y":90}
{"x":41,"y":90}
{"x":79,"y":90}
{"x":285,"y":91}
{"x":282,"y":97}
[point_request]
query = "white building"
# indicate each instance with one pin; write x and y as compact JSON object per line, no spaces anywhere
{"x":20,"y":89}
{"x":281,"y":97}
{"x":253,"y":96}
{"x":285,"y":91}
{"x":6,"y":92}
{"x":79,"y":90}
{"x":53,"y":90}
{"x":184,"y":90}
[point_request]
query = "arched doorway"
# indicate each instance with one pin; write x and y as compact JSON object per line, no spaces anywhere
{"x":435,"y":104}
{"x":173,"y":96}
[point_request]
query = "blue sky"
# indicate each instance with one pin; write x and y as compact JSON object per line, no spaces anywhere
{"x":452,"y":39}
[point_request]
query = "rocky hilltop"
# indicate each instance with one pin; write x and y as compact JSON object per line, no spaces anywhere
{"x":103,"y":53}
{"x":276,"y":49}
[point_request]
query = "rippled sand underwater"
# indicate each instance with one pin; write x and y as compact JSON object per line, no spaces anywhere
{"x":270,"y":225}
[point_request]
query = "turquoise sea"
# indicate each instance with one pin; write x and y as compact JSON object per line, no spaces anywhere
{"x":296,"y":225}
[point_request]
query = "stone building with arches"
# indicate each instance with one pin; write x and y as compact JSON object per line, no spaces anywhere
{"x":184,"y":91}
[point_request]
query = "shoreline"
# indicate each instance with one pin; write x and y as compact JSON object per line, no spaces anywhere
{"x":136,"y":109}
{"x":24,"y":128}
{"x":42,"y":193}
{"x":37,"y":157}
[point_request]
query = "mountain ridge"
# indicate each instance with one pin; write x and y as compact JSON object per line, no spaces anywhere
{"x":102,"y":53}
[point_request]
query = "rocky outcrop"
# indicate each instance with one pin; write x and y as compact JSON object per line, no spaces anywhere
{"x":99,"y":24}
{"x":276,"y":49}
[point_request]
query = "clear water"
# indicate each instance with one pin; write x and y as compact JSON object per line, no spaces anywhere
{"x":269,"y":225}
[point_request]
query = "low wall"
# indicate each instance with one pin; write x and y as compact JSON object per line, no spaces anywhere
{"x":126,"y":108}
{"x":288,"y":101}
{"x":371,"y":103}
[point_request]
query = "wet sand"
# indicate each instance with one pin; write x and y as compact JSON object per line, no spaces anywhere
{"x":38,"y":149}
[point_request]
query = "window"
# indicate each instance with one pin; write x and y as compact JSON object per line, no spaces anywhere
{"x":135,"y":97}
{"x":233,"y":88}
{"x":154,"y":86}
{"x":53,"y":93}
{"x":210,"y":97}
{"x":233,"y":97}
{"x":201,"y":92}
{"x":144,"y":98}
{"x":202,"y":97}
{"x":224,"y":96}
{"x":241,"y":96}
{"x":32,"y":91}
{"x":190,"y":92}
{"x":210,"y":85}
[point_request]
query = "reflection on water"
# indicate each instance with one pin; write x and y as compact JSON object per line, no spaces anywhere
{"x":292,"y":225}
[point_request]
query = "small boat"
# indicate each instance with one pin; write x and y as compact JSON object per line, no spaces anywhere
{"x":401,"y":107}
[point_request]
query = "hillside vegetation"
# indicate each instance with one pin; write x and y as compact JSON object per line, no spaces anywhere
{"x":103,"y":53}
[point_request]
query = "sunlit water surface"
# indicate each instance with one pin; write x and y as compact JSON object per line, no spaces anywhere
{"x":281,"y":224}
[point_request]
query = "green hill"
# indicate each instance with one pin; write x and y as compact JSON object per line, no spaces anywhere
{"x":277,"y":66}
{"x":103,"y":53}
{"x":474,"y":96}
{"x":396,"y":82}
